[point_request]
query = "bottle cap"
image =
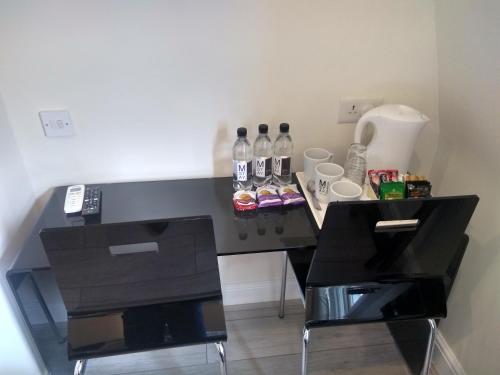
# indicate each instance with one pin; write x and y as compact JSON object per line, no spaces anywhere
{"x":284,"y":127}
{"x":242,"y":132}
{"x":263,"y":129}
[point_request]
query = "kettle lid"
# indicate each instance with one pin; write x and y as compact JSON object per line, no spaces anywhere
{"x":399,"y":112}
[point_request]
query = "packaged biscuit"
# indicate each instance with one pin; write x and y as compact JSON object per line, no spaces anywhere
{"x":267,"y":196}
{"x":244,"y":200}
{"x":289,"y":194}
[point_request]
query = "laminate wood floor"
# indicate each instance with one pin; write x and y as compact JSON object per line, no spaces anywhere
{"x":259,"y":343}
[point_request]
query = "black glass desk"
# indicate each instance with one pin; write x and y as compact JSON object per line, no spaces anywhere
{"x":272,"y":229}
{"x":285,"y":229}
{"x":259,"y":232}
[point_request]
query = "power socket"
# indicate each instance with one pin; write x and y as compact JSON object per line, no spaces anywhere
{"x":351,"y":109}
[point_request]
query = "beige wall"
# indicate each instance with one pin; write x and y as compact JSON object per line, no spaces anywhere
{"x":467,"y":161}
{"x":16,"y":201}
{"x":156,"y":89}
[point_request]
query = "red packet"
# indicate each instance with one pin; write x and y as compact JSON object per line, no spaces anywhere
{"x":244,"y":200}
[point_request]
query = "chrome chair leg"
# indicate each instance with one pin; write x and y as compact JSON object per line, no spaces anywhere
{"x":222,"y":355}
{"x":80,"y":366}
{"x":305,"y":345}
{"x":283,"y":285}
{"x":430,"y":347}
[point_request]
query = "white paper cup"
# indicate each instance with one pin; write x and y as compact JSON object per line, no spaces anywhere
{"x":345,"y":190}
{"x":313,"y":157}
{"x":326,"y":173}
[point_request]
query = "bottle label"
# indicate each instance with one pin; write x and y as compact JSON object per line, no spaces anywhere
{"x":262,"y":166}
{"x":242,"y":170}
{"x":282,"y":165}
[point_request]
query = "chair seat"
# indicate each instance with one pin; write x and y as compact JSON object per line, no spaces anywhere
{"x":383,"y":301}
{"x":146,"y":328}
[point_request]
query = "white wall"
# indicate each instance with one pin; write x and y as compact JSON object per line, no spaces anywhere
{"x":17,"y":198}
{"x":468,"y":34}
{"x":156,"y":89}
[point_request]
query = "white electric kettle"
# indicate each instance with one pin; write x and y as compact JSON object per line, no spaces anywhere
{"x":395,"y":131}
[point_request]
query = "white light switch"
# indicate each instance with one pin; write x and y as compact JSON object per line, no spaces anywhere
{"x":56,"y":123}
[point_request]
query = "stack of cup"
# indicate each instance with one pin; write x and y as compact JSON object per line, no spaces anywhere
{"x":329,"y":186}
{"x":313,"y":157}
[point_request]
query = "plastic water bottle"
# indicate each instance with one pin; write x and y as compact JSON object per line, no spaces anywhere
{"x":263,"y":158}
{"x":282,"y":157}
{"x":242,"y":161}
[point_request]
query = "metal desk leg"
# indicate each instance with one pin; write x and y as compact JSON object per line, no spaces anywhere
{"x":45,"y":309}
{"x":430,"y":347}
{"x":222,"y":354}
{"x":80,"y":367}
{"x":305,"y":345}
{"x":283,"y":285}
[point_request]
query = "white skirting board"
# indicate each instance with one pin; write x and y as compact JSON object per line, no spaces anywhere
{"x":445,"y":361}
{"x":262,"y":291}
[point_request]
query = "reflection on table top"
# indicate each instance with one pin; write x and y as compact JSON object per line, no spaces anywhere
{"x":274,"y":229}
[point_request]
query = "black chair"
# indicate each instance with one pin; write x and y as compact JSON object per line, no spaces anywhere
{"x":130,"y":287}
{"x":382,"y":261}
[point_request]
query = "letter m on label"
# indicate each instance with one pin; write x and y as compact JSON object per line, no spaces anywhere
{"x":322,"y":186}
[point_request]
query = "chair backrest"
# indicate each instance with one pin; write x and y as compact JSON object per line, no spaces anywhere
{"x":109,"y":266}
{"x":385,"y":260}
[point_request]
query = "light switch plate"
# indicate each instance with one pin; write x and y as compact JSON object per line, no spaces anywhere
{"x":351,"y":109}
{"x":56,"y":123}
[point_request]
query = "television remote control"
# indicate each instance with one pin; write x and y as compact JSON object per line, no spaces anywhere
{"x":91,"y":201}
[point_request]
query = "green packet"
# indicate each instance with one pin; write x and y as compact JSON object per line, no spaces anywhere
{"x":392,"y":190}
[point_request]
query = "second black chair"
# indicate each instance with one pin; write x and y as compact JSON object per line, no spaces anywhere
{"x":381,"y":261}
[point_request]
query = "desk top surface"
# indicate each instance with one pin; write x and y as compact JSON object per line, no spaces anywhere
{"x":273,"y":229}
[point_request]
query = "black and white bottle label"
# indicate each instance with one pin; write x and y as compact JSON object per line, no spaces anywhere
{"x":282,"y":165}
{"x":242,"y":170}
{"x":262,"y":166}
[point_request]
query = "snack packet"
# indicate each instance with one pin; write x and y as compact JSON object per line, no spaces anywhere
{"x":379,"y":176}
{"x":244,"y":200}
{"x":417,"y":186}
{"x":267,"y":196}
{"x":392,"y":190}
{"x":289,"y":194}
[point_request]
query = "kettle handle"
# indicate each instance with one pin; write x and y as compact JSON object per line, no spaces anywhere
{"x":360,"y":127}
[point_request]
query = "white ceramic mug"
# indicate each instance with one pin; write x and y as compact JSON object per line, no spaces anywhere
{"x":345,"y":190}
{"x":312,"y":157}
{"x":326,"y":173}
